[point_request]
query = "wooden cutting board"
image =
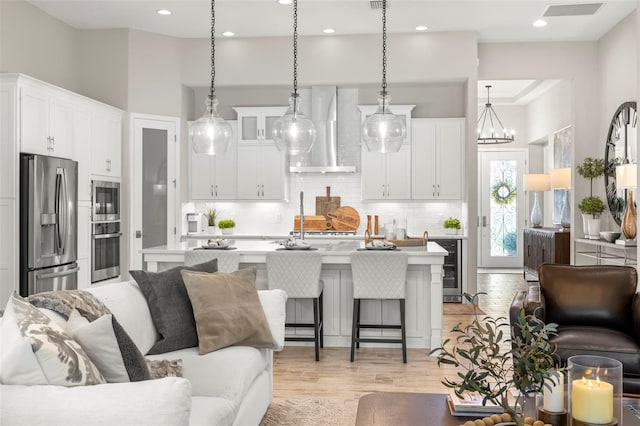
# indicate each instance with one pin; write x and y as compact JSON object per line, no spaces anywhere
{"x":312,"y":223}
{"x":327,"y":204}
{"x":345,"y":218}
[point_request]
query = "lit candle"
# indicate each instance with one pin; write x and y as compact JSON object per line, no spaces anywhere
{"x":592,"y":401}
{"x":553,"y":401}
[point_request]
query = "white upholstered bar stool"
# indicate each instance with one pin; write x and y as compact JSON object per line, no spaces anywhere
{"x":228,"y":260}
{"x":378,"y":275}
{"x":298,"y":274}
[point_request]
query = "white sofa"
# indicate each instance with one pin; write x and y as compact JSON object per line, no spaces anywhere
{"x":230,"y":386}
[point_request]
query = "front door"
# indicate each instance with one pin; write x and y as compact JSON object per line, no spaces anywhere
{"x":501,"y":208}
{"x":153,"y":198}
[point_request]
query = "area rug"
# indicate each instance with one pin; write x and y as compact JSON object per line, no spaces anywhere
{"x":460,"y":309}
{"x":311,"y":412}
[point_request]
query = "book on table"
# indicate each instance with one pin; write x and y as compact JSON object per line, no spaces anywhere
{"x":471,"y":404}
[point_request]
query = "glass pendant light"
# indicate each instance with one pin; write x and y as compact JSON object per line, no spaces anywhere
{"x":210,"y":134}
{"x":383,"y":131}
{"x":293,"y":132}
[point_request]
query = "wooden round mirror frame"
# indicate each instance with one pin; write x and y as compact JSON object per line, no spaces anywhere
{"x":620,"y":149}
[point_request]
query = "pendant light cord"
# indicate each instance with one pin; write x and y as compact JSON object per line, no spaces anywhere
{"x":295,"y":54}
{"x":384,"y":55}
{"x":213,"y":48}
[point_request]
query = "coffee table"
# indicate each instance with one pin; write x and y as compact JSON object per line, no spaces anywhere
{"x":429,"y":409}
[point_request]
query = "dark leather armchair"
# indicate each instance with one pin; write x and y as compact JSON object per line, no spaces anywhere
{"x":597,"y":311}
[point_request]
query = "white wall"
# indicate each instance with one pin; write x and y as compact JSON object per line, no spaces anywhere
{"x":37,"y":44}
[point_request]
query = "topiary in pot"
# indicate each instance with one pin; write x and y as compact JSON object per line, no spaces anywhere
{"x":486,"y":367}
{"x":226,"y":225}
{"x":592,"y":205}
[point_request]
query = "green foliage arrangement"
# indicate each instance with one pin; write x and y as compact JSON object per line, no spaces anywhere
{"x":226,"y":223}
{"x":591,"y":205}
{"x":591,"y":168}
{"x":452,"y":223}
{"x":211,"y":214}
{"x":487,"y":368}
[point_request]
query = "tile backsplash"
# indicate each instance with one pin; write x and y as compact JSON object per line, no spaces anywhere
{"x":276,"y":218}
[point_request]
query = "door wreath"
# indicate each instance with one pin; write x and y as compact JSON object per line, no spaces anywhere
{"x":503,"y":193}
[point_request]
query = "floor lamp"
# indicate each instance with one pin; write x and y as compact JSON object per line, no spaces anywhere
{"x":627,"y":178}
{"x":536,"y":183}
{"x":561,"y":179}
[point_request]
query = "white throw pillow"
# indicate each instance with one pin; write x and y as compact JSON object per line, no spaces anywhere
{"x":19,"y":364}
{"x":99,"y":342}
{"x":274,"y":306}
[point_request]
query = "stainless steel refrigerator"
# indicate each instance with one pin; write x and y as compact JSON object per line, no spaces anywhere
{"x":48,"y":224}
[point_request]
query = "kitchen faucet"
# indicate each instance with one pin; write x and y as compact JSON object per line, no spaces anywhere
{"x":301,"y":216}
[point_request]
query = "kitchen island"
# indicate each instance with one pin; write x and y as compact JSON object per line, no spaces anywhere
{"x":423,"y":297}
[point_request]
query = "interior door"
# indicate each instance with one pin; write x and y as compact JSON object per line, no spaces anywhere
{"x":501,"y":208}
{"x":153,"y":197}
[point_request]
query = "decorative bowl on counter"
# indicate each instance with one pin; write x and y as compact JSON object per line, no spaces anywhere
{"x":609,"y":236}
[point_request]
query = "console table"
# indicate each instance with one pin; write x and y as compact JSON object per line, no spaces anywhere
{"x":544,"y":245}
{"x":600,"y":252}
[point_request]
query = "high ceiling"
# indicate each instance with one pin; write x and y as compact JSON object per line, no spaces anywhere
{"x":494,"y":21}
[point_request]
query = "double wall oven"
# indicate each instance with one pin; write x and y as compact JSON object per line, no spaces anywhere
{"x":105,"y":230}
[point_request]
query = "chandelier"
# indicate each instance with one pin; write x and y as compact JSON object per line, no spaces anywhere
{"x":383,"y":131}
{"x":210,"y":134}
{"x":490,"y":128}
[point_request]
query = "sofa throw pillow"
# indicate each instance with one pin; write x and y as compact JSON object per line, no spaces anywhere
{"x":88,"y":306}
{"x":61,"y":359}
{"x":161,"y":368}
{"x":227,"y":310}
{"x":170,"y":307}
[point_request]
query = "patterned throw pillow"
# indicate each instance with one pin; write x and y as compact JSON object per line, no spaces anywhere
{"x":61,"y":359}
{"x":160,"y":368}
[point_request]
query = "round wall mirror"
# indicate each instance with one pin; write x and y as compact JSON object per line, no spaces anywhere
{"x":621,"y":148}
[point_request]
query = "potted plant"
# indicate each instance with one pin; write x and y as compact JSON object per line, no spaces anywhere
{"x":591,"y":168}
{"x":211,"y":213}
{"x":487,"y":368}
{"x":226,"y":225}
{"x":452,"y":226}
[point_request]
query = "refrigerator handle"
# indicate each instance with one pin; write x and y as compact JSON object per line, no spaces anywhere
{"x":62,"y":196}
{"x":57,"y":274}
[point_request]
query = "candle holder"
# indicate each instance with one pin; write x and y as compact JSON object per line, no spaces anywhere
{"x":595,"y":390}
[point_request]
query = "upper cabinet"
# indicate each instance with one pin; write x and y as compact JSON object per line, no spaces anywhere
{"x":106,"y":142}
{"x":213,"y":177}
{"x":437,"y":158}
{"x":255,"y":124}
{"x":387,"y":176}
{"x":46,"y":120}
{"x":261,"y":173}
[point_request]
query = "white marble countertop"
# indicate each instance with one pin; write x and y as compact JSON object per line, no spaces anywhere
{"x":254,"y":251}
{"x":357,"y":237}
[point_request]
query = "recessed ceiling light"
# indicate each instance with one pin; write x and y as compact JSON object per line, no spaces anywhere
{"x":163,"y":12}
{"x":328,"y":31}
{"x":228,"y":33}
{"x":285,"y":1}
{"x":540,"y":23}
{"x":422,"y":28}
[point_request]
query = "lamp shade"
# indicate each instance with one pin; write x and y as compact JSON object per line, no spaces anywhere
{"x":627,"y":176}
{"x":537,"y":182}
{"x":561,"y":178}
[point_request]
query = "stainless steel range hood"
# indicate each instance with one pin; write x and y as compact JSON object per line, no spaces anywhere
{"x":324,"y":153}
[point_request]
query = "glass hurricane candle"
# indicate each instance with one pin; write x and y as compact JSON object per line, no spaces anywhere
{"x":595,"y":390}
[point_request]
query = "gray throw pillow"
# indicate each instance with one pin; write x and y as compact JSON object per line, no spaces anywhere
{"x":170,"y":306}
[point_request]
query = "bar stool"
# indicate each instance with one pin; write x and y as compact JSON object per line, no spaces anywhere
{"x":298,"y":274}
{"x":228,"y":261}
{"x":378,"y":275}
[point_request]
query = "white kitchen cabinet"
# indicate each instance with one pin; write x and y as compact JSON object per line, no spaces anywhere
{"x":255,"y":124}
{"x":106,"y":142}
{"x":261,"y":172}
{"x":387,"y":176}
{"x":82,"y":151}
{"x":214,"y":177}
{"x":46,"y":125}
{"x":437,"y":158}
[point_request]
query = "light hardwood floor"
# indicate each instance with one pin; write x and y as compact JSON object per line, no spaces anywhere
{"x":297,"y":375}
